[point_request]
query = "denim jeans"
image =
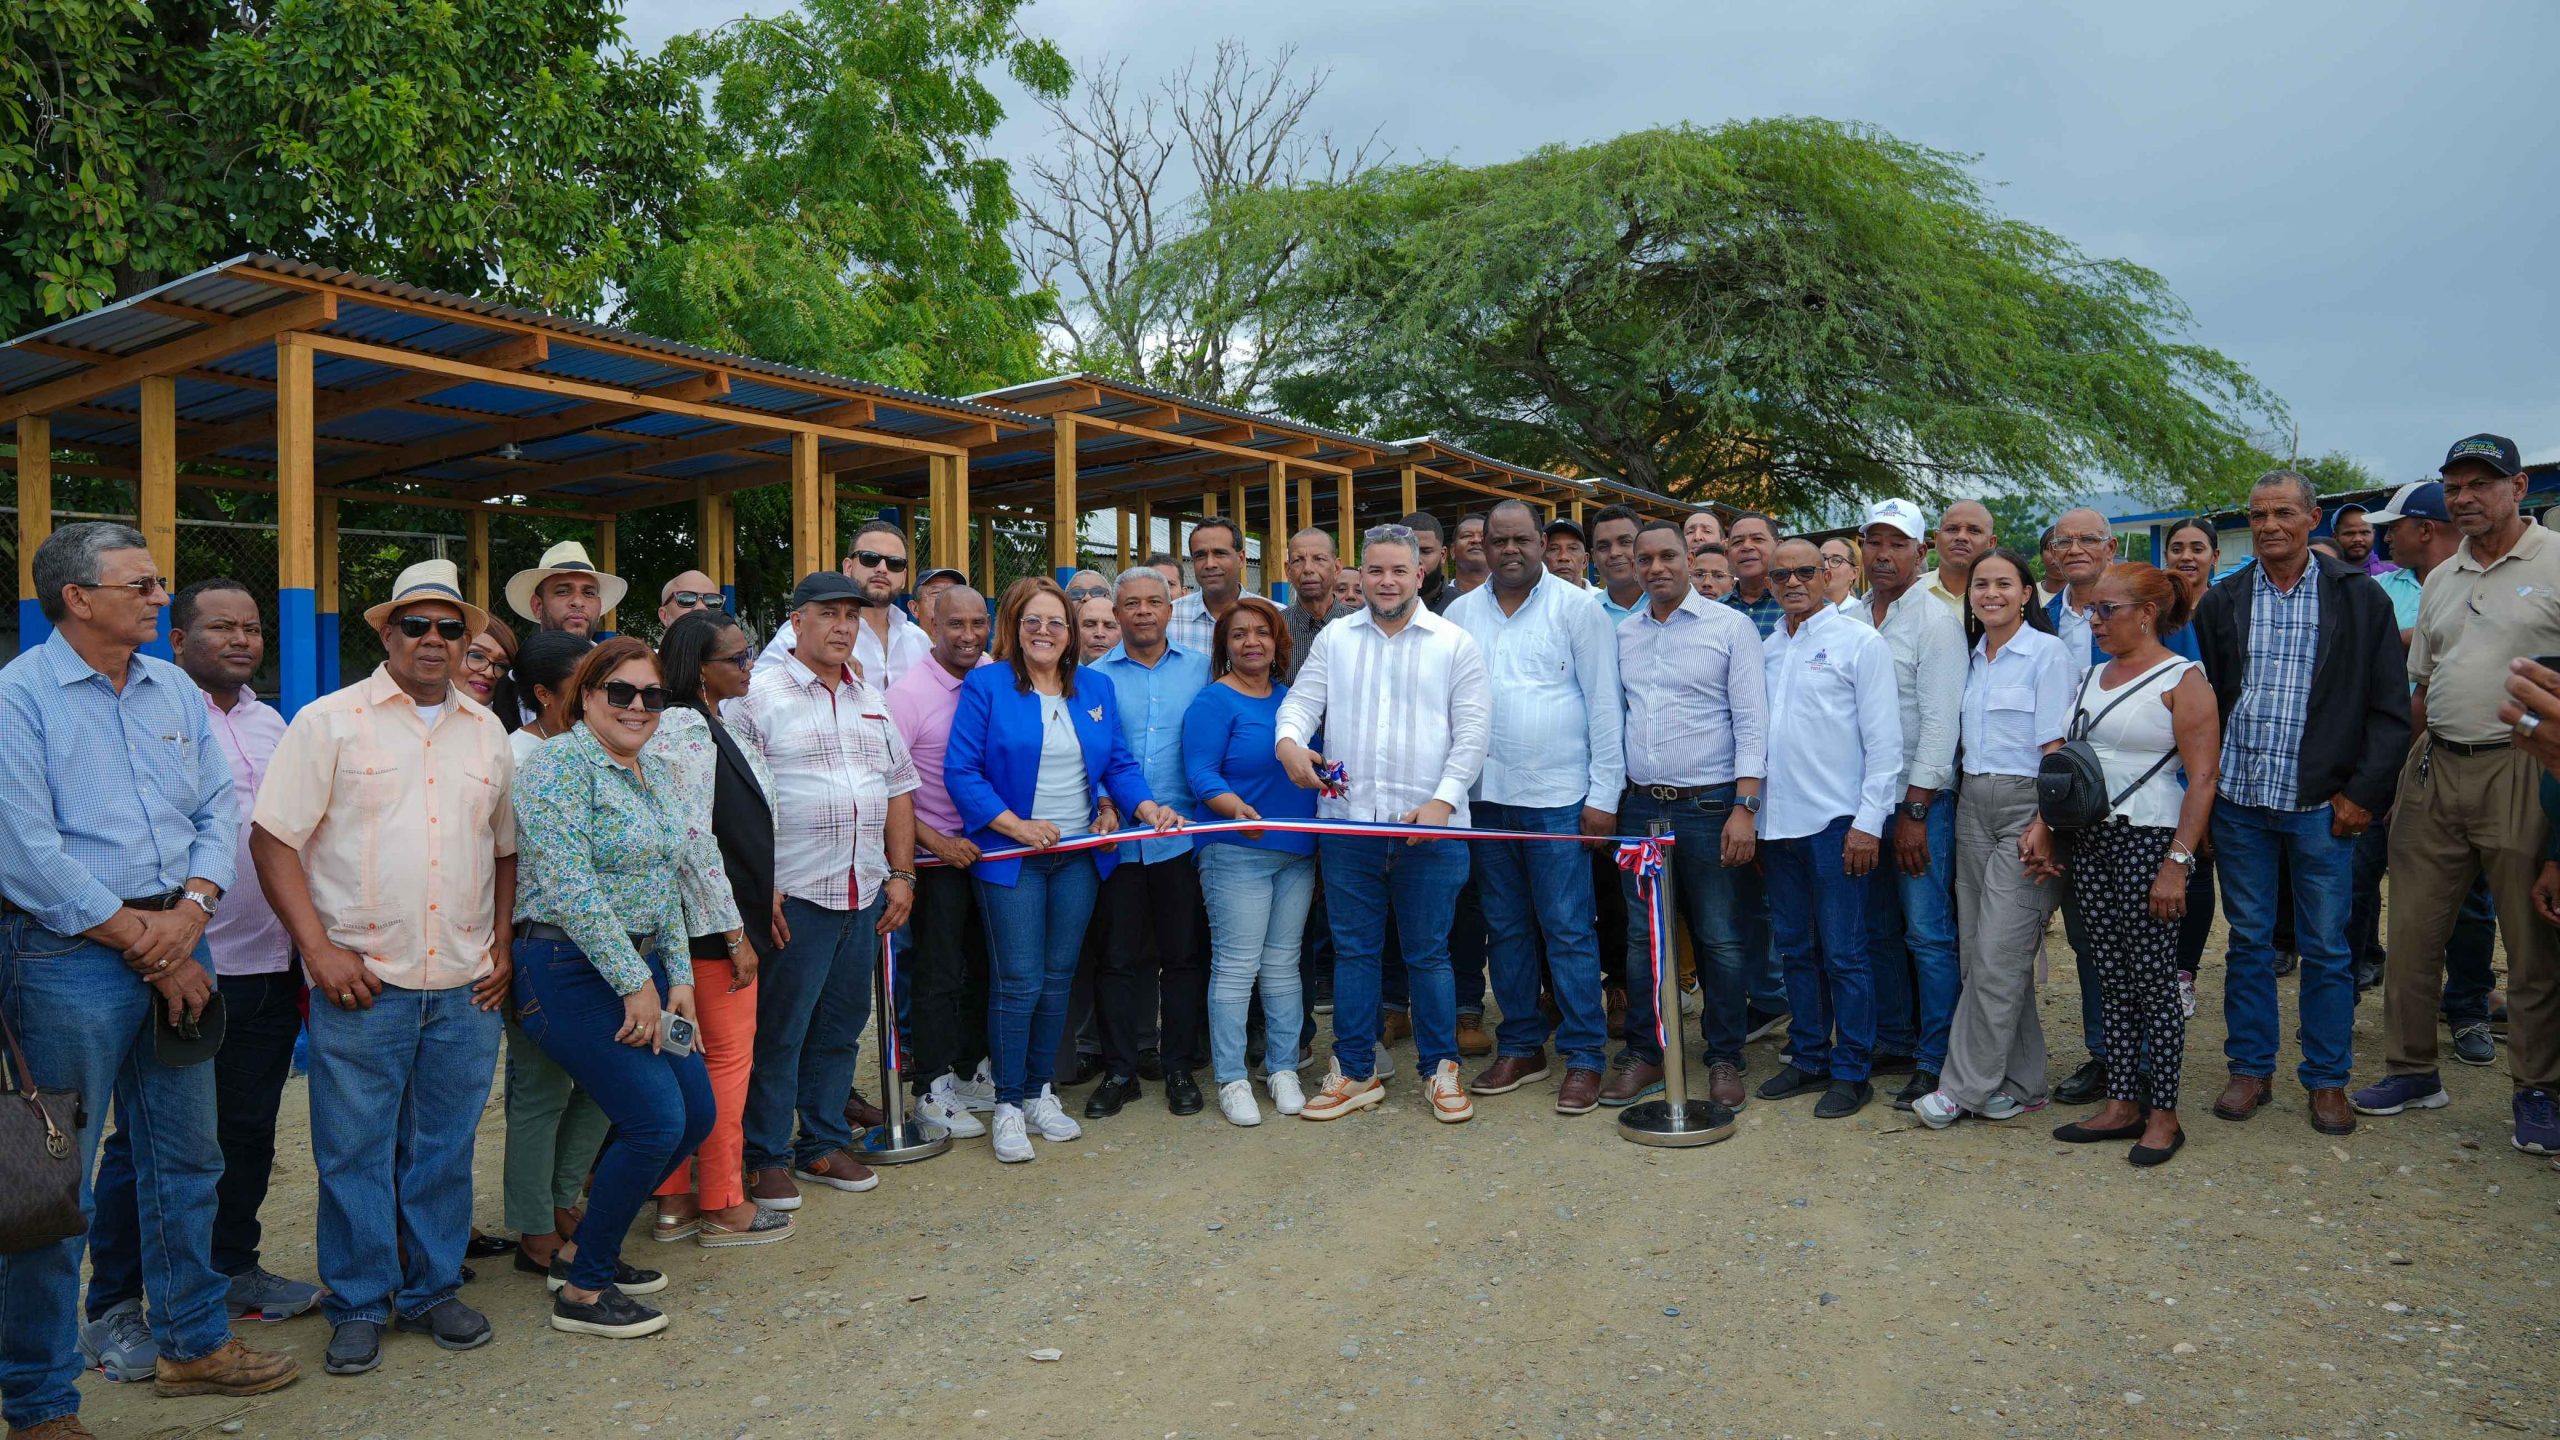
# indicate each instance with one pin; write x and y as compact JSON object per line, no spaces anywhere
{"x":1763,"y":977}
{"x":1035,"y":930}
{"x":1533,"y":890}
{"x":1470,"y":948}
{"x":1819,"y":911}
{"x":661,"y":1105}
{"x":1703,"y":889}
{"x":813,"y":998}
{"x":2247,"y":841}
{"x":85,"y":1022}
{"x":554,"y":1132}
{"x":1257,"y":903}
{"x":1911,"y":943}
{"x":396,"y":1095}
{"x":261,"y":1016}
{"x":1368,"y":881}
{"x":946,"y":973}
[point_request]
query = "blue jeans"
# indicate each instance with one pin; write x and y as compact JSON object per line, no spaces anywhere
{"x":1469,"y":949}
{"x":396,"y":1096}
{"x":2248,"y":841}
{"x":660,"y":1105}
{"x":1762,"y":975}
{"x":1819,"y":911}
{"x":813,"y":999}
{"x":1367,"y":880}
{"x":1533,"y":889}
{"x":1911,"y":943}
{"x":85,"y":1021}
{"x":1704,"y":890}
{"x":1035,"y":931}
{"x":1257,"y":903}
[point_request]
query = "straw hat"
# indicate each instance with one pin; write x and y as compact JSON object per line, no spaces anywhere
{"x":428,"y":580}
{"x":566,"y":558}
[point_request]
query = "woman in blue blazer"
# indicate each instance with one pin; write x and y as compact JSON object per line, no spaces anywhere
{"x":1032,"y":743}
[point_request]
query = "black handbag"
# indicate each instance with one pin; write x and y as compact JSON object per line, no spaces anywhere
{"x":39,"y":1157}
{"x":2071,"y":782}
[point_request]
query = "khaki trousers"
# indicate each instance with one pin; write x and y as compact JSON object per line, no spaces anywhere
{"x":1996,"y":1042}
{"x":2458,"y":816}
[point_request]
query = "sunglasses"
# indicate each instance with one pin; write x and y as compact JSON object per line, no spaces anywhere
{"x":1043,"y":625}
{"x":1806,"y":573}
{"x":417,"y":626}
{"x":894,"y":564}
{"x":2103,"y":611}
{"x":146,"y":587}
{"x":1083,"y":593}
{"x":699,"y":600}
{"x":622,"y":695}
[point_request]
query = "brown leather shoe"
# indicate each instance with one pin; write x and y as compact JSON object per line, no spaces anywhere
{"x":2330,"y":1112}
{"x":1629,"y":1079}
{"x":838,"y":1171}
{"x":60,"y":1427}
{"x":1473,"y":1038}
{"x":861,"y":1114}
{"x":773,"y":1189}
{"x":1394,"y":1025}
{"x":233,"y":1370}
{"x":1508,"y":1073}
{"x":1614,"y":999}
{"x":1724,"y":1086}
{"x":1580,"y":1093}
{"x":2241,"y":1098}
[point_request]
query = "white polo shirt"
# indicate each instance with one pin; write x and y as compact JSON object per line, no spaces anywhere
{"x":1835,"y":728}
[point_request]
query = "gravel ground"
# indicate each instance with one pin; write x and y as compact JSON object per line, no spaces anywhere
{"x":1533,"y":1274}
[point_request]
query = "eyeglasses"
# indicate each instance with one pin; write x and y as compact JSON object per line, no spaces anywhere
{"x":1043,"y":625}
{"x":446,"y":627}
{"x":2103,"y":611}
{"x":1835,"y":562}
{"x":2083,"y":542}
{"x":145,"y":587}
{"x":894,"y":564}
{"x":1082,"y":593}
{"x":699,"y":600}
{"x":476,"y":658}
{"x":1806,"y":573}
{"x":739,"y":658}
{"x":622,"y":695}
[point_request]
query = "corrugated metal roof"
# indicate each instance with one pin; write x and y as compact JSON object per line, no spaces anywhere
{"x":1506,"y":466}
{"x":1029,"y":389}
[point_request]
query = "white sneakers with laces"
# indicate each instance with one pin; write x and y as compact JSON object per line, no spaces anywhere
{"x":1050,"y":1118}
{"x":1235,"y":1101}
{"x":1286,"y":1097}
{"x":978,"y":1092}
{"x":1013,"y":1146}
{"x":1448,"y":1095}
{"x":940,"y":1104}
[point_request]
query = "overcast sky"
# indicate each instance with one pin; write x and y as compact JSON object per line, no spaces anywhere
{"x":2360,"y":202}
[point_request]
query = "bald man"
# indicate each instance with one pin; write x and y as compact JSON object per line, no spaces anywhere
{"x":689,"y":591}
{"x":1965,"y":534}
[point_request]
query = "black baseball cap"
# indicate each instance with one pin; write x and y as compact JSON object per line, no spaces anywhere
{"x":940,"y":572}
{"x":2495,"y":451}
{"x":1564,"y":527}
{"x":820,"y":585}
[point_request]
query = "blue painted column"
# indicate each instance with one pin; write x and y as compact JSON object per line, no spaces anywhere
{"x":301,"y":523}
{"x":35,"y":522}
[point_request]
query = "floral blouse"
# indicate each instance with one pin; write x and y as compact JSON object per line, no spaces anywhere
{"x":683,"y":758}
{"x":595,"y":845}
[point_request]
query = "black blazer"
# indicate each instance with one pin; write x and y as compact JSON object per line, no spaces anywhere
{"x":742,"y":823}
{"x":2357,"y":730}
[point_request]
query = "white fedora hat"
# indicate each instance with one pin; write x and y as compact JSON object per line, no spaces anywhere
{"x":428,"y":580}
{"x":566,"y":558}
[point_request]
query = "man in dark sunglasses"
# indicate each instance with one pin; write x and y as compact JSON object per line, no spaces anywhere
{"x":685,"y":594}
{"x":886,"y":644}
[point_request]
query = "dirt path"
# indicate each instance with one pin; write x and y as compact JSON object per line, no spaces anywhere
{"x":1529,"y":1274}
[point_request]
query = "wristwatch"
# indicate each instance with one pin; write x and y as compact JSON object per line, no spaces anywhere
{"x":203,"y":901}
{"x":1749,"y":803}
{"x":1913,"y":810}
{"x":2183,"y":857}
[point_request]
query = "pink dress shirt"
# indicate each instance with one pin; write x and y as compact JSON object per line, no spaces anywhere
{"x":922,"y":703}
{"x":245,"y":935}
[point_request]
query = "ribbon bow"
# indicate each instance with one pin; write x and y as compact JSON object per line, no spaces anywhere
{"x":1336,"y":778}
{"x":1643,"y":859}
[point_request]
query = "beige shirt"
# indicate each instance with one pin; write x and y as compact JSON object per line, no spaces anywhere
{"x":2472,"y":621}
{"x":400,"y":827}
{"x":1935,"y":584}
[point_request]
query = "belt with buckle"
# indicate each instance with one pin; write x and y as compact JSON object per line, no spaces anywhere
{"x":1673,"y":794}
{"x":166,"y":901}
{"x":2464,"y":747}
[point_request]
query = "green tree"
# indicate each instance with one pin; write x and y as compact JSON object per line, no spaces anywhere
{"x":2336,"y":473}
{"x":507,"y":148}
{"x":1777,"y":312}
{"x":851,"y":220}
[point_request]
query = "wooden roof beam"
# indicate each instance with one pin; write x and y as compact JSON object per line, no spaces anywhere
{"x":211,"y":343}
{"x":328,"y":405}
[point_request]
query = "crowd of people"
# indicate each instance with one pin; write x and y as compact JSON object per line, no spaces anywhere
{"x":660,"y":879}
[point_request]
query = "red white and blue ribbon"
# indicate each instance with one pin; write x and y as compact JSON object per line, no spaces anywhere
{"x":1373,"y":829}
{"x":1644,"y":860}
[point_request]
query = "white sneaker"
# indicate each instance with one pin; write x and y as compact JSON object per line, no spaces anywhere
{"x":1235,"y":1101}
{"x":1692,"y":1002}
{"x":1050,"y":1118}
{"x":978,"y":1092}
{"x":1937,"y":1111}
{"x":939,"y":1105}
{"x":1448,"y":1096}
{"x":1012,"y":1145}
{"x":1386,"y":1065}
{"x":1286,"y":1097}
{"x":2005,"y":1107}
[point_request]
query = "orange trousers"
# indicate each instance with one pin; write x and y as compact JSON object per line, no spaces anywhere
{"x":717,"y":1176}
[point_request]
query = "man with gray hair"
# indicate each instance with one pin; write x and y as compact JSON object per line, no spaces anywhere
{"x":118,"y":835}
{"x":1152,"y":959}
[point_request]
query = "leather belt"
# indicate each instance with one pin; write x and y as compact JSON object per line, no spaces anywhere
{"x":545,"y":930}
{"x":1672,"y":794}
{"x":2462,"y":747}
{"x":165,"y":901}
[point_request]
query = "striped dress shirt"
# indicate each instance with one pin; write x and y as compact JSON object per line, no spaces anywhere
{"x":1697,"y":706}
{"x":1408,"y":715}
{"x":1552,"y":666}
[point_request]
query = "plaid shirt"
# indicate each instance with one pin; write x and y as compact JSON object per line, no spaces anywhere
{"x":837,"y":762}
{"x":1766,"y":614}
{"x":2262,"y":742}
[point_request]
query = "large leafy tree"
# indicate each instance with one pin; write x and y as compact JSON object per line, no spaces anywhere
{"x":852,"y":220}
{"x":508,"y":148}
{"x":1787,"y":313}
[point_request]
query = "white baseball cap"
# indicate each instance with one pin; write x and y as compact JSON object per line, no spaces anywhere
{"x":1902,"y":515}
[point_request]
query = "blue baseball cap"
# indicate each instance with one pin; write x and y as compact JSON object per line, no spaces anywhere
{"x":2419,"y":500}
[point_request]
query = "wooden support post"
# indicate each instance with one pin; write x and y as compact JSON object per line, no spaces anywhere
{"x":1342,"y":527}
{"x":1146,"y":531}
{"x":706,"y":532}
{"x":297,"y":531}
{"x":1240,"y":510}
{"x":1209,"y":503}
{"x":475,"y":569}
{"x":1064,"y":518}
{"x":1577,"y":512}
{"x":987,"y":548}
{"x":727,"y":541}
{"x":325,"y":540}
{"x":1120,"y":518}
{"x":607,"y":560}
{"x":809,"y":553}
{"x":35,"y":522}
{"x":907,"y":532}
{"x":158,"y":499}
{"x":1306,"y":507}
{"x":1275,"y":541}
{"x":1412,"y":492}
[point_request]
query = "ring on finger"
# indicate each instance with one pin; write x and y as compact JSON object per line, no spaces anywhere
{"x":2527,"y":723}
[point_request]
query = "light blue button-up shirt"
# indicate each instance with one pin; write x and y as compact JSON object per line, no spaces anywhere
{"x":107,"y":797}
{"x":1153,"y":699}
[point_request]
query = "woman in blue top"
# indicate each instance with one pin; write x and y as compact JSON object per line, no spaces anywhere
{"x":1257,"y":884}
{"x":1032,"y":741}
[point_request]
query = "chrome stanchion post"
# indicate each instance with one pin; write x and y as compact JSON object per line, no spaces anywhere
{"x":1675,"y":1119}
{"x":897,"y":1142}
